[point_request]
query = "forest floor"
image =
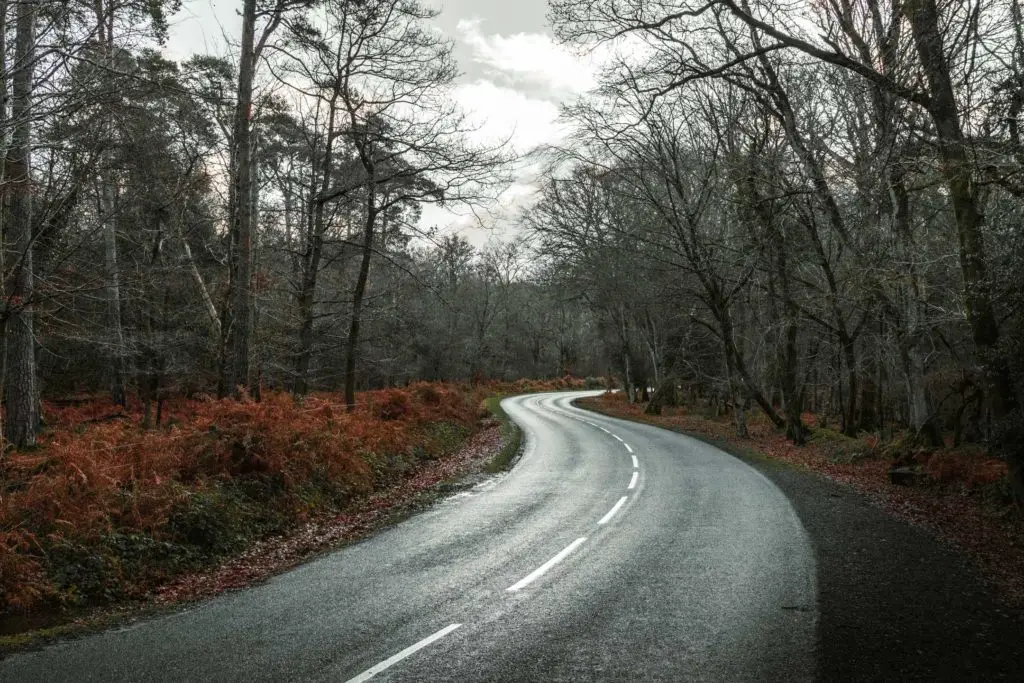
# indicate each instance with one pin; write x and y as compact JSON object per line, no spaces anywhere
{"x":107,"y":521}
{"x":960,"y":496}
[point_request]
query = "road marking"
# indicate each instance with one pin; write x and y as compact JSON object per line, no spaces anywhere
{"x":636,"y":463}
{"x":616,"y":436}
{"x":632,"y":481}
{"x":627,"y":446}
{"x":615,"y":508}
{"x":539,"y":571}
{"x":395,"y":659}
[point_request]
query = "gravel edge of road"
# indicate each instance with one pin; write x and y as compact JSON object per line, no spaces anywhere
{"x":873,"y":571}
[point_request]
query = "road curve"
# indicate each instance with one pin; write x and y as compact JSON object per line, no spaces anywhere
{"x":612,"y":551}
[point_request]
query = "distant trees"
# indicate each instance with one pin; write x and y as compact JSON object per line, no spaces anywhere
{"x":456,"y":314}
{"x":788,"y":207}
{"x":375,"y":77}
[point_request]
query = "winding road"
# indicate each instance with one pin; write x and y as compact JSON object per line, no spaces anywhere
{"x":612,"y":551}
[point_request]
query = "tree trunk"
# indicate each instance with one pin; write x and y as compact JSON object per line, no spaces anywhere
{"x":664,"y":395}
{"x":628,"y":378}
{"x":792,"y":398}
{"x":204,"y":293}
{"x":305,"y":355}
{"x":112,"y":294}
{"x":912,"y":334}
{"x":956,"y":169}
{"x":108,"y":222}
{"x":315,"y":227}
{"x":4,"y":209}
{"x":738,"y":409}
{"x":849,"y":359}
{"x":239,"y":372}
{"x":921,"y":419}
{"x":791,"y":395}
{"x":20,"y":399}
{"x":737,"y":365}
{"x":357,"y":296}
{"x":307,"y":299}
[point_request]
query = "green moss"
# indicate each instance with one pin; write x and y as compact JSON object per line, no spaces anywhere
{"x":444,"y":438}
{"x":511,"y":437}
{"x":826,"y":435}
{"x":839,"y":447}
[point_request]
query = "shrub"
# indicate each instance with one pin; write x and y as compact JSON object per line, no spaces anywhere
{"x":838,"y":447}
{"x":104,"y":508}
{"x":214,"y":522}
{"x":395,"y":405}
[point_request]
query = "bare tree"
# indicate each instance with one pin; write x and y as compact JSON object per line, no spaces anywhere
{"x":389,"y":73}
{"x":20,"y":389}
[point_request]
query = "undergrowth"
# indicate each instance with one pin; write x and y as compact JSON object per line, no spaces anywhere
{"x":104,"y":510}
{"x":968,"y":469}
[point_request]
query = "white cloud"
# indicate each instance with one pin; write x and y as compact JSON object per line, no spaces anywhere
{"x":201,"y":27}
{"x":499,"y":113}
{"x":530,"y":60}
{"x":502,"y":113}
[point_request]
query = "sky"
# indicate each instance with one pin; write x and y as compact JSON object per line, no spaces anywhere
{"x":514,"y":77}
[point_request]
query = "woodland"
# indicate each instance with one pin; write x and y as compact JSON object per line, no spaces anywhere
{"x":220,"y":227}
{"x":804,"y":214}
{"x":804,"y":207}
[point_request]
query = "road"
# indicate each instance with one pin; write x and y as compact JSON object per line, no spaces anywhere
{"x":611,"y":551}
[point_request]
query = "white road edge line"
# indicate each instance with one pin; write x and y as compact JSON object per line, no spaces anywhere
{"x":636,"y":463}
{"x":539,"y":571}
{"x":627,"y":446}
{"x":395,"y":659}
{"x":619,"y":438}
{"x":632,"y":481}
{"x":615,"y":508}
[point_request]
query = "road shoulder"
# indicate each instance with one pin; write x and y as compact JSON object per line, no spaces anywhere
{"x":894,"y":602}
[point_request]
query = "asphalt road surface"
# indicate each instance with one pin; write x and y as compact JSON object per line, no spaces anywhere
{"x":612,"y":551}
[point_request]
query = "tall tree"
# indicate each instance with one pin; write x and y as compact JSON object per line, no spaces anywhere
{"x":236,"y":368}
{"x":21,"y":398}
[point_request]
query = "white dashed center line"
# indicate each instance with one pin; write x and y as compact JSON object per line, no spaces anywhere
{"x":539,"y":571}
{"x":522,"y":583}
{"x":615,"y":508}
{"x":395,"y":659}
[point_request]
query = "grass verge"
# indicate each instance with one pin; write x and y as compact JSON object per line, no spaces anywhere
{"x":511,"y":437}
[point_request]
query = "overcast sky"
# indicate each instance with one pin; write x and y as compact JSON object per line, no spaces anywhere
{"x":514,"y":76}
